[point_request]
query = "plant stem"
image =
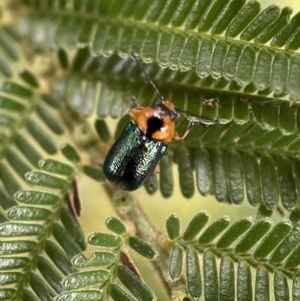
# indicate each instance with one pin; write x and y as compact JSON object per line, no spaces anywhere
{"x":129,"y":209}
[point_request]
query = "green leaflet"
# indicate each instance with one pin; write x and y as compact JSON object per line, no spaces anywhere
{"x":173,"y":226}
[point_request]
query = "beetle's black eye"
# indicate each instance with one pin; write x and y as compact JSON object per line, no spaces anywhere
{"x":154,"y":124}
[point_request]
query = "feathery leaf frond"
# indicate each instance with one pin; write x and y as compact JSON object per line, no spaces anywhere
{"x":40,"y":235}
{"x":254,"y":248}
{"x":109,"y":268}
{"x":225,"y":45}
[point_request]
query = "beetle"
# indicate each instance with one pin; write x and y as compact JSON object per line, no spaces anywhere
{"x":135,"y":155}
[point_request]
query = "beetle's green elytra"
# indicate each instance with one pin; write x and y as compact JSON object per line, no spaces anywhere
{"x":132,"y":160}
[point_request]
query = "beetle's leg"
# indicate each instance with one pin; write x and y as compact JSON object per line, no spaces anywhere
{"x":191,"y":124}
{"x":156,"y":170}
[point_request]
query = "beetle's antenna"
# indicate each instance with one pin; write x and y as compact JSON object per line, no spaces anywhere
{"x":146,"y":75}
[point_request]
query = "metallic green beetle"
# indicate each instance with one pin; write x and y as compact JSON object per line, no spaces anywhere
{"x":135,"y":155}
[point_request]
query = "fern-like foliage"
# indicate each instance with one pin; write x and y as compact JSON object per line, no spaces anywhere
{"x":111,"y":270}
{"x":38,"y":233}
{"x":40,"y":236}
{"x":223,"y":43}
{"x":245,"y":249}
{"x":230,"y":64}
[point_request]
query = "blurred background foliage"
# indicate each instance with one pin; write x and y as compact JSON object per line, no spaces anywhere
{"x":95,"y":200}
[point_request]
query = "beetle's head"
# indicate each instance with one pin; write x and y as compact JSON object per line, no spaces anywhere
{"x":165,"y":107}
